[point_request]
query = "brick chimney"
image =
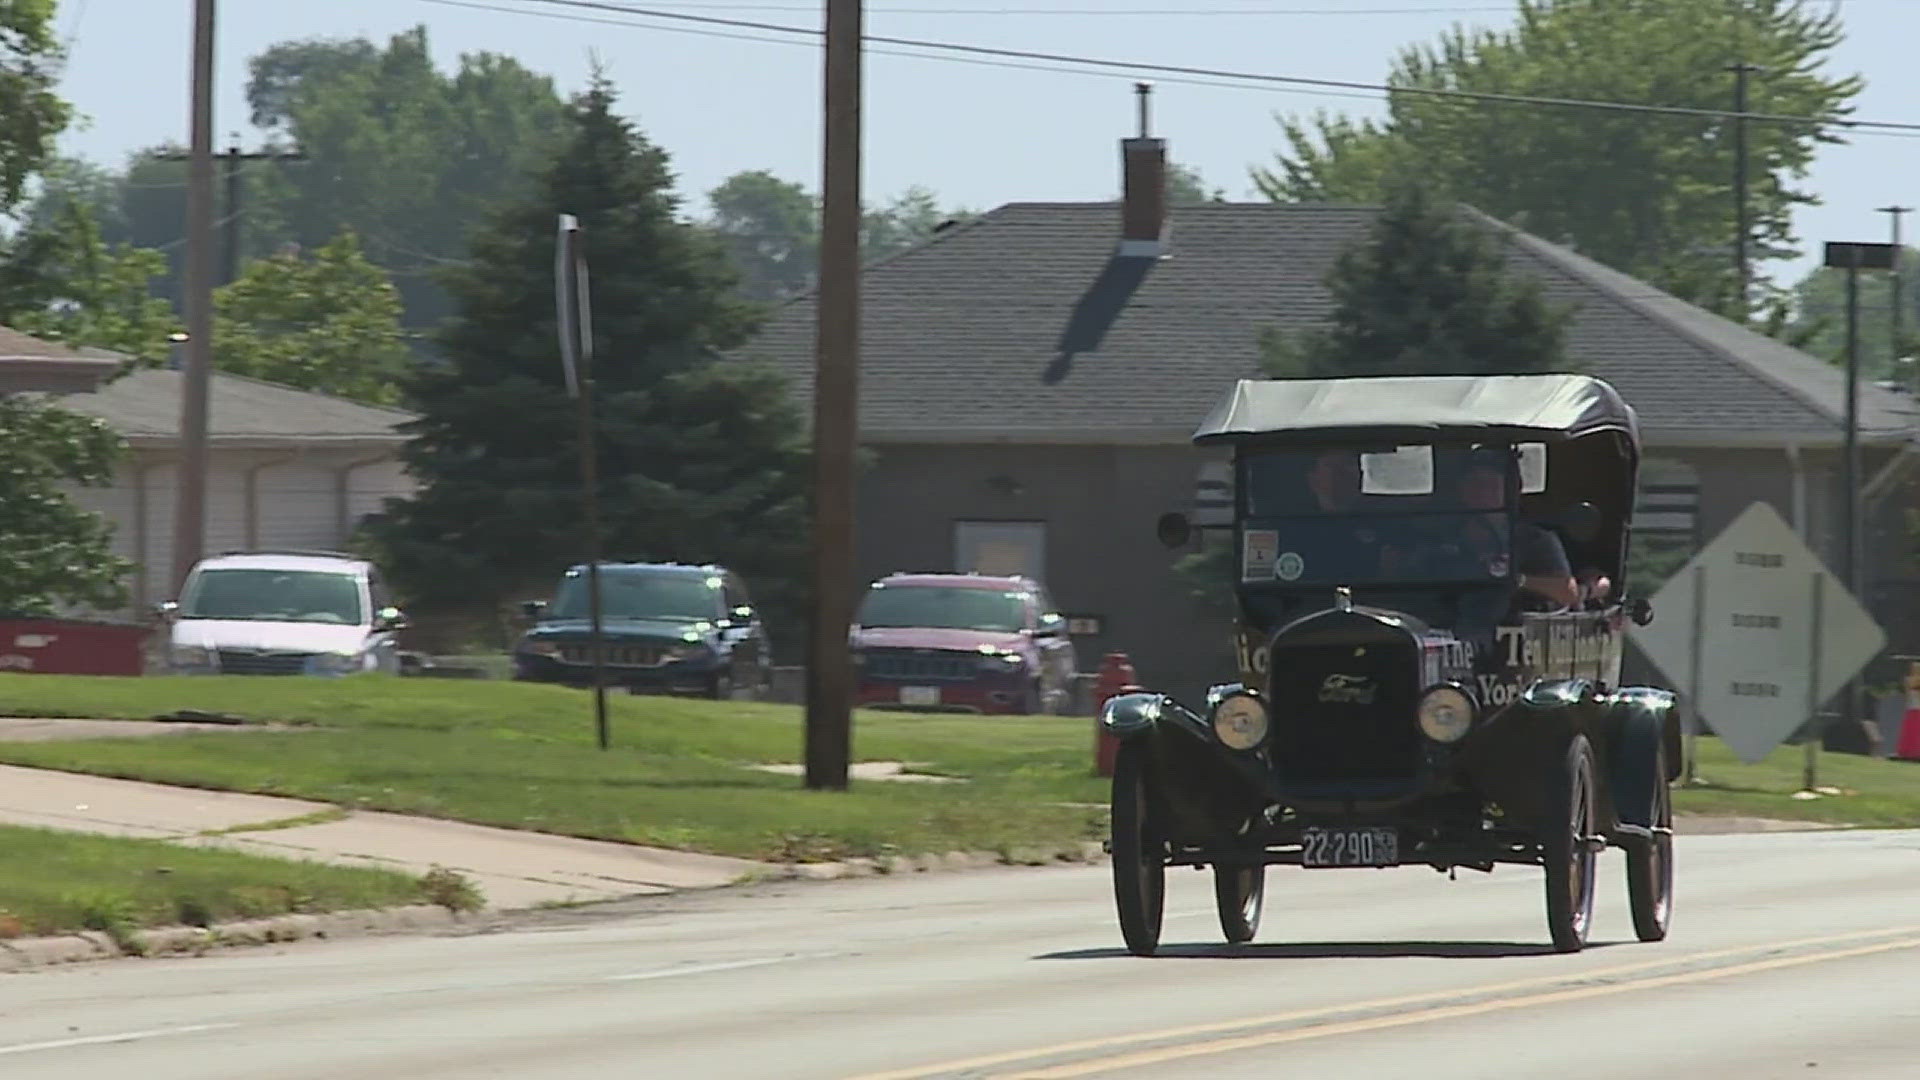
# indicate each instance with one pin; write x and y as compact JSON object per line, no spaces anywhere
{"x":1143,"y":192}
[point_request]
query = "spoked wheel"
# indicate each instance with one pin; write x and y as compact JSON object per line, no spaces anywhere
{"x":1239,"y":892}
{"x":1650,"y":862}
{"x":1139,"y":852}
{"x":1570,"y":859}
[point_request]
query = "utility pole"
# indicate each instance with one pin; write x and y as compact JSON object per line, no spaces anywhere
{"x":231,"y":159}
{"x":1897,"y":310}
{"x":836,"y":418}
{"x":190,"y":509}
{"x":1742,"y":228}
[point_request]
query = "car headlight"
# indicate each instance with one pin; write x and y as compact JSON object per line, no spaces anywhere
{"x":191,"y":656}
{"x":1240,"y":721}
{"x":1446,"y":712}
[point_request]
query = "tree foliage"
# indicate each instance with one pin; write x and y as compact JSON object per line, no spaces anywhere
{"x":59,"y":280}
{"x":771,"y":230}
{"x":51,"y":552}
{"x":328,"y":322}
{"x":1647,"y":194}
{"x":407,"y":156}
{"x":1427,"y":291}
{"x":31,"y":114}
{"x":1186,"y":187}
{"x":701,"y":459}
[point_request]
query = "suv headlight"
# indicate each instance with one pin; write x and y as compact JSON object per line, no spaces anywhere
{"x":1240,"y":721}
{"x":1446,"y":712}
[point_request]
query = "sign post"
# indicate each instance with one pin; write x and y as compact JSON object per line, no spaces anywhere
{"x":1763,"y":651}
{"x":576,"y":356}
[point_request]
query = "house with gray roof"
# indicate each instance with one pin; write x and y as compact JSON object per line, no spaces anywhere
{"x":28,"y":365}
{"x":286,"y":468}
{"x":1030,"y":380}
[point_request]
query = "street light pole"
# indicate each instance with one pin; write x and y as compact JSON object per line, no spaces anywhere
{"x":836,"y":392}
{"x":190,"y":510}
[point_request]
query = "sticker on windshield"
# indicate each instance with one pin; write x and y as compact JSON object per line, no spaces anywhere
{"x":1256,"y":554}
{"x":1497,"y":566}
{"x":1289,"y":566}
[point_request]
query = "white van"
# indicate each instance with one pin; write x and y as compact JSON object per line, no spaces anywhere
{"x":283,"y":613}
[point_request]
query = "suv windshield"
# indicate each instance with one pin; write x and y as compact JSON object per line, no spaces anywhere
{"x":639,"y":594}
{"x":274,"y":596}
{"x":1403,"y":515}
{"x":943,"y":607}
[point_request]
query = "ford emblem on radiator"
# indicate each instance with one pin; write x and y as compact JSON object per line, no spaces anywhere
{"x":1347,"y":689}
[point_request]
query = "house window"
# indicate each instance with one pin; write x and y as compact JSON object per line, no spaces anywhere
{"x":1001,"y":548}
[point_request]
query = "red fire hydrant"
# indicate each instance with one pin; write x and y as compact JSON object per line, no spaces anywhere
{"x":1116,"y":677}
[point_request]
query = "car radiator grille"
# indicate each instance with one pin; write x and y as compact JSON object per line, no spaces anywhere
{"x":930,"y":667}
{"x":1345,"y":712}
{"x":615,"y":655}
{"x":248,"y":662}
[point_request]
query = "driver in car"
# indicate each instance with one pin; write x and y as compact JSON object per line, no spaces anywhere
{"x":1542,"y":563}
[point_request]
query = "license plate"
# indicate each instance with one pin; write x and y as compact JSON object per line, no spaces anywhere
{"x":919,"y":695}
{"x":1349,"y":847}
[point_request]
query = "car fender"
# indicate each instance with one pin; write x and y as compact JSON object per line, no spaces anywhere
{"x":1128,"y":717}
{"x":1641,"y":719}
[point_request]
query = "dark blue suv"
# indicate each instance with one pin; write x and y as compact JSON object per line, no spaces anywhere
{"x":665,"y":627}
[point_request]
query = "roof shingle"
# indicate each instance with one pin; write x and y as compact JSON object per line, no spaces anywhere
{"x":144,"y":407}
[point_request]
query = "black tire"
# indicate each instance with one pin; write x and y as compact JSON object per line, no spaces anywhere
{"x":1650,"y":862}
{"x":1032,"y":701}
{"x":1139,"y":853}
{"x":720,"y":687}
{"x":1570,"y":859}
{"x":1239,"y":892}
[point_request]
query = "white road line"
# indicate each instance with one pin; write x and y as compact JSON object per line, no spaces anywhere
{"x":98,"y":1040}
{"x":703,"y":969}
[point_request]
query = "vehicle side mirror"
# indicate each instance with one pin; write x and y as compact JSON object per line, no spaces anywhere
{"x":1640,"y":610}
{"x":532,"y":610}
{"x":166,"y":611}
{"x":1174,"y":529}
{"x":390,"y":618}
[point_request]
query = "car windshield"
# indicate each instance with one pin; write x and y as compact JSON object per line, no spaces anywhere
{"x":629,"y":594}
{"x":319,"y":596}
{"x":1403,"y":515}
{"x":944,"y":607}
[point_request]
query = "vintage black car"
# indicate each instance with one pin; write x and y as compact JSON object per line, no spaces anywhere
{"x":1424,"y":682}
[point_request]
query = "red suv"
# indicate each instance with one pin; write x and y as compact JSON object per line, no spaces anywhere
{"x":962,"y":643}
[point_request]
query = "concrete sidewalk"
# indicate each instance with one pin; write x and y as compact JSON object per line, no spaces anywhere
{"x":513,"y":869}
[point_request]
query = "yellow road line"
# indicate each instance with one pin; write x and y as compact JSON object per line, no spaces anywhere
{"x":1162,"y":1055}
{"x":1219,"y":1027}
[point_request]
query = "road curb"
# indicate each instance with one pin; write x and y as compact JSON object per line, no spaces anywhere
{"x":1034,"y":855}
{"x":21,"y":954}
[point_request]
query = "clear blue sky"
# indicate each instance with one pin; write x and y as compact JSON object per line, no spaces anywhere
{"x":978,"y":135}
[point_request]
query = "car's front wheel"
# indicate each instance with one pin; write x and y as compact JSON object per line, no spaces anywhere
{"x":1650,"y":862}
{"x":1139,"y":852}
{"x":1567,"y":828}
{"x":720,"y":686}
{"x":1239,"y":892}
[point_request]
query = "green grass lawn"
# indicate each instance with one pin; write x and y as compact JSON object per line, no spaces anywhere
{"x":523,"y":756}
{"x":1874,"y":791}
{"x":59,"y":882}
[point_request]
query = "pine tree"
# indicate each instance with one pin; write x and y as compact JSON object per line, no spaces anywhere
{"x":701,"y":457}
{"x":1426,"y":292}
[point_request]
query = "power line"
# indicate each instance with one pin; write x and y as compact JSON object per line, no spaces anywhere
{"x":1136,"y":67}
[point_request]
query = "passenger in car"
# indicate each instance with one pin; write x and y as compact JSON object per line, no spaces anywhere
{"x":1538,"y":556}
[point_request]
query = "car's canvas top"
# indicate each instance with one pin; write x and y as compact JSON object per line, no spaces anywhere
{"x":1417,"y":408}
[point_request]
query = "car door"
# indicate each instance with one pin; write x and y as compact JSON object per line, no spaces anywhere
{"x":1058,"y":662}
{"x":383,"y":643}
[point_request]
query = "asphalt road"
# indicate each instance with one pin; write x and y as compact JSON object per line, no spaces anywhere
{"x":1792,"y":956}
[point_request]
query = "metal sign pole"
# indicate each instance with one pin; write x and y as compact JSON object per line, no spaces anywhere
{"x":576,"y":354}
{"x":1694,"y":724}
{"x":1810,"y":776}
